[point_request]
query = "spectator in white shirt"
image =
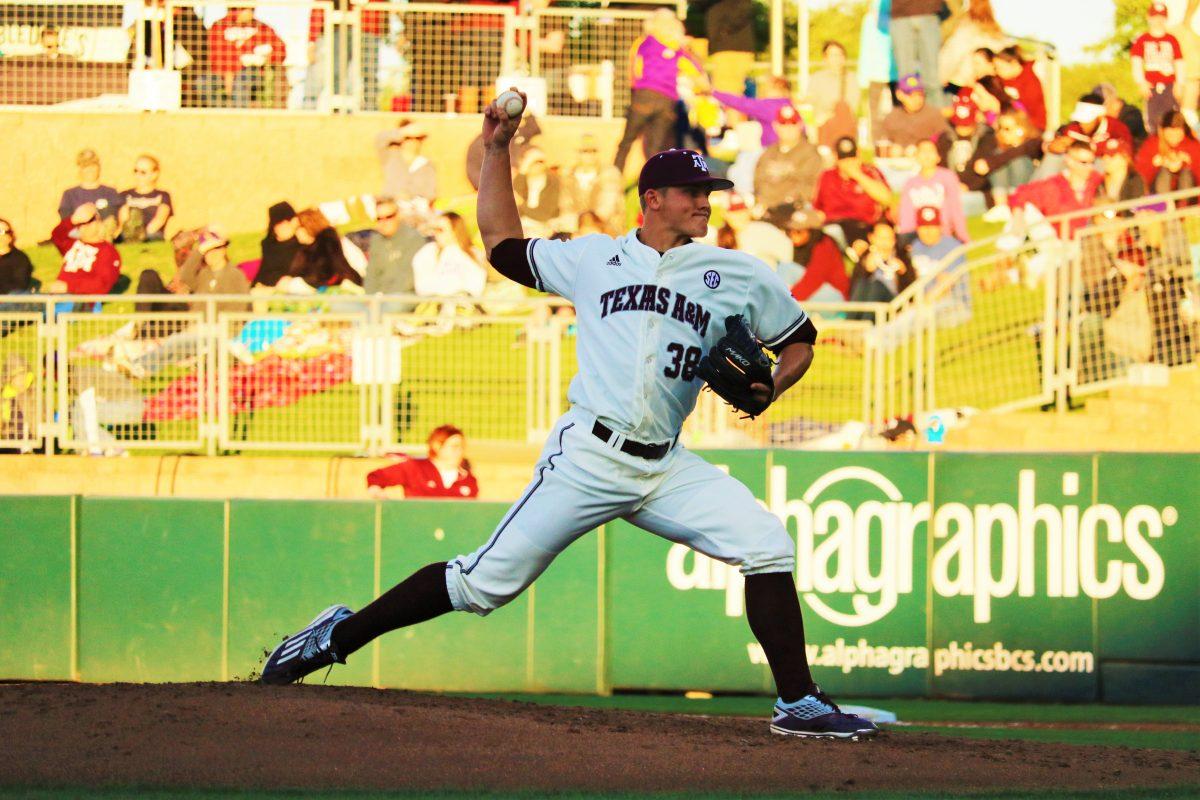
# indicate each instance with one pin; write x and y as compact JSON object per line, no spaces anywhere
{"x":451,"y":264}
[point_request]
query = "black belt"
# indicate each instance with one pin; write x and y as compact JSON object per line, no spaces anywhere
{"x":650,"y":451}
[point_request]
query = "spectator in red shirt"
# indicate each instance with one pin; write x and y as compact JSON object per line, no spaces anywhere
{"x":824,"y":279}
{"x":240,"y":48}
{"x":1158,"y":66}
{"x":1021,"y":84}
{"x":445,"y":473}
{"x":852,"y":195}
{"x":1090,"y":125}
{"x":91,"y":265}
{"x":1170,"y":160}
{"x":374,"y":27}
{"x":1073,"y":189}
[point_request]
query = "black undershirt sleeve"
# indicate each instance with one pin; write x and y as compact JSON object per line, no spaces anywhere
{"x":805,"y":334}
{"x":510,"y":258}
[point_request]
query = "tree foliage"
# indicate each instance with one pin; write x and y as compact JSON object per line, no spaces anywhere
{"x":1130,"y":19}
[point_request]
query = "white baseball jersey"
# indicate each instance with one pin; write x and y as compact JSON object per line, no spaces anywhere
{"x":644,"y":320}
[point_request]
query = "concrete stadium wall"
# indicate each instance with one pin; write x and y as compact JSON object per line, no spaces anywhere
{"x":227,"y":167}
{"x":502,"y":472}
{"x":1050,"y":577}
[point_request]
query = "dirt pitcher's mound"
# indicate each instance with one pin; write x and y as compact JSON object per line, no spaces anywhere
{"x":248,"y":736}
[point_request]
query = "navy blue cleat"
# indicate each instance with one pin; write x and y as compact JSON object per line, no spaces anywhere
{"x":815,"y":716}
{"x":307,"y":651}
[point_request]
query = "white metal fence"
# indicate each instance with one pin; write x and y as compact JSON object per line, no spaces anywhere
{"x":314,"y":54}
{"x":342,"y":374}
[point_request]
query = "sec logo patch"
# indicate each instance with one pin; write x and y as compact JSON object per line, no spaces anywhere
{"x":712,"y":279}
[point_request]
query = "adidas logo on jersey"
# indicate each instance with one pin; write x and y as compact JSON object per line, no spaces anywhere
{"x":615,"y":261}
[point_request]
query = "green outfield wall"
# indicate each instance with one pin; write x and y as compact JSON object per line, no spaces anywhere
{"x":1073,"y":577}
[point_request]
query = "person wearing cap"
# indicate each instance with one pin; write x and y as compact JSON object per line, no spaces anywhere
{"x":932,"y":186}
{"x":820,"y":274}
{"x":1158,"y":67}
{"x":764,"y":109}
{"x":407,"y":175}
{"x":966,"y":140}
{"x":934,"y":252}
{"x":851,"y":194}
{"x":1091,"y":125}
{"x":912,"y":121}
{"x":1022,"y":84}
{"x":106,"y":199}
{"x":592,"y":185}
{"x":916,"y":28}
{"x":1122,"y":181}
{"x":788,"y":170}
{"x":91,"y":265}
{"x":649,"y":305}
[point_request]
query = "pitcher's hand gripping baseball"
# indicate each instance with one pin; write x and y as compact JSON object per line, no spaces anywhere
{"x":738,"y":370}
{"x":498,"y":127}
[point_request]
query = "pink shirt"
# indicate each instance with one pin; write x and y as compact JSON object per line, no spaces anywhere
{"x":941,"y":192}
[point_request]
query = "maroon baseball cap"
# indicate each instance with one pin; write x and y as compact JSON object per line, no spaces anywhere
{"x":678,"y":168}
{"x":1157,"y":10}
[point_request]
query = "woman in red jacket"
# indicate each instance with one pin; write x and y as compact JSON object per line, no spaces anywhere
{"x":446,"y":473}
{"x":1170,"y":160}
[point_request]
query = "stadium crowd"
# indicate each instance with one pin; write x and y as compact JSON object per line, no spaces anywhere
{"x":853,"y":191}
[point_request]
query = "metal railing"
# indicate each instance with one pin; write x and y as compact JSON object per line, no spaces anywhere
{"x":342,"y":373}
{"x":310,"y":55}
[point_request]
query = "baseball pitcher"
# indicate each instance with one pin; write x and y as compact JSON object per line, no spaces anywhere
{"x":659,"y":315}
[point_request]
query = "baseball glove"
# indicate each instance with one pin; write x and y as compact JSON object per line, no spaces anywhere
{"x":734,"y":363}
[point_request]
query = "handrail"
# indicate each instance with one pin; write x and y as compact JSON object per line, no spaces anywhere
{"x":1058,"y":220}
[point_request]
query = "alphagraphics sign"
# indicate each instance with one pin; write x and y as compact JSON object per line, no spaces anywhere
{"x":855,"y":562}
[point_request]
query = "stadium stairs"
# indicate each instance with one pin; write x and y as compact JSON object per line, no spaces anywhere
{"x":1126,"y":418}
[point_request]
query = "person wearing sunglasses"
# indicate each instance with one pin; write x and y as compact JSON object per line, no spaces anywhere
{"x":145,"y":208}
{"x":16,"y":270}
{"x":1075,"y":188}
{"x":392,"y":245}
{"x":91,"y":265}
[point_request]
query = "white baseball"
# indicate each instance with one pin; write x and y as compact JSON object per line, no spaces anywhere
{"x":511,"y":102}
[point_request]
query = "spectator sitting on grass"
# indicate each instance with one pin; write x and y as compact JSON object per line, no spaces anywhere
{"x":91,"y":265}
{"x":207,"y":270}
{"x":321,"y":260}
{"x":393,"y":245}
{"x":16,"y":270}
{"x":450,"y":265}
{"x":445,"y":473}
{"x":1170,"y":160}
{"x":279,"y":246}
{"x":106,"y":199}
{"x":145,"y":208}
